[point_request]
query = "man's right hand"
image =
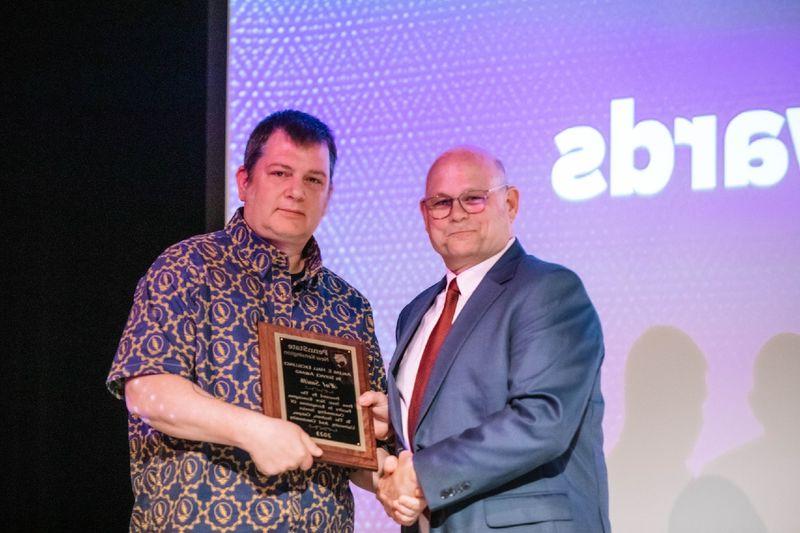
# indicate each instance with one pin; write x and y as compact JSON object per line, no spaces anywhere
{"x":277,"y":446}
{"x":180,"y":408}
{"x":399,"y":491}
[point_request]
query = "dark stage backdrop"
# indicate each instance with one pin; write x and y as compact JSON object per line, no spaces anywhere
{"x":107,"y":152}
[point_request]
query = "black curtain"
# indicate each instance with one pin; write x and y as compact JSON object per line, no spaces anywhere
{"x":105,"y":162}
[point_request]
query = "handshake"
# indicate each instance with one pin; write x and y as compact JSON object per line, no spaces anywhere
{"x":395,"y":483}
{"x":398,"y":490}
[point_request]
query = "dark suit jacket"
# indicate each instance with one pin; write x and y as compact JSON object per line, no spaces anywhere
{"x":509,"y":434}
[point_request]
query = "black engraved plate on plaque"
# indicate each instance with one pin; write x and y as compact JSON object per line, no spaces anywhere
{"x":318,"y":390}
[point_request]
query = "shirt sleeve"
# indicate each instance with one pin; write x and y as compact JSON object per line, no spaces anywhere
{"x":159,"y":337}
{"x":377,"y":373}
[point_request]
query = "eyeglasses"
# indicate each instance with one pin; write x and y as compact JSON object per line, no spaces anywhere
{"x":472,"y":201}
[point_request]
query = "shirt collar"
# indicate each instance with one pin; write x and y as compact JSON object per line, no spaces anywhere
{"x":469,"y":279}
{"x":260,"y":255}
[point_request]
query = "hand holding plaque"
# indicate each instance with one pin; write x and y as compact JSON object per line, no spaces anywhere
{"x":314,"y":381}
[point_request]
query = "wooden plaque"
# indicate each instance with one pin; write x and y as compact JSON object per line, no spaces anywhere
{"x":314,"y":381}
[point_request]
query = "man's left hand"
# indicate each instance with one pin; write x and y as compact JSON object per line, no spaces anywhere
{"x":379,"y":404}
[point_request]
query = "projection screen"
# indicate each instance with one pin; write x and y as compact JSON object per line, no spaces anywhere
{"x":656,"y":147}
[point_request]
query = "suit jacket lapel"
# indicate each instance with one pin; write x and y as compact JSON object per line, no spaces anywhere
{"x":488,"y":290}
{"x":407,"y":329}
{"x":422,"y":303}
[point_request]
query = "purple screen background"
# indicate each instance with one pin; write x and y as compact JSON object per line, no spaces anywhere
{"x":400,"y":82}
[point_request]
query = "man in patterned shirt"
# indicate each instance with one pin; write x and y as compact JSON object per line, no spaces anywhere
{"x":203,"y":456}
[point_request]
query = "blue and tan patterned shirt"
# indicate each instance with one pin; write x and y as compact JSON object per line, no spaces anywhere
{"x":195,"y":314}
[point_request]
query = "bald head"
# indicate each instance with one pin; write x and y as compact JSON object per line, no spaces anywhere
{"x":470,"y":155}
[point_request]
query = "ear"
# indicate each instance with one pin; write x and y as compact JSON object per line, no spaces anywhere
{"x":242,"y":182}
{"x":512,"y":202}
{"x":327,"y":199}
{"x":424,"y":213}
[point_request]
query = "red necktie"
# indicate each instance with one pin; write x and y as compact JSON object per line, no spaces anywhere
{"x":432,"y":347}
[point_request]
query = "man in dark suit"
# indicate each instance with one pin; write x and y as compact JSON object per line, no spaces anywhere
{"x":494,"y":388}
